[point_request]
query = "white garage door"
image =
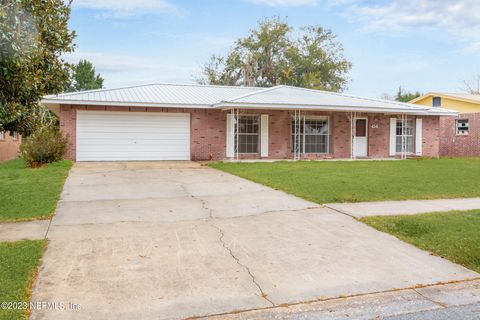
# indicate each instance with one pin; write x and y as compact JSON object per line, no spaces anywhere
{"x":116,"y":136}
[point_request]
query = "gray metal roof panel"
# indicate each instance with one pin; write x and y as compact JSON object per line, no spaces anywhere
{"x":157,"y":93}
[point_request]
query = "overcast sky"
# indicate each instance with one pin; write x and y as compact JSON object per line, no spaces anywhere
{"x":425,"y":45}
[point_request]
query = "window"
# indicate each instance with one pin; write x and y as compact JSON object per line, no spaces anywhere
{"x":248,"y":134}
{"x":314,"y":135}
{"x":15,"y":136}
{"x":436,"y":101}
{"x":409,"y":128}
{"x":2,"y":135}
{"x":462,"y":127}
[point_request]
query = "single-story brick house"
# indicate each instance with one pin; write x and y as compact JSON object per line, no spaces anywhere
{"x":197,"y":122}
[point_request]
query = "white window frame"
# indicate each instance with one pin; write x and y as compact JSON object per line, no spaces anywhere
{"x":412,"y":136}
{"x":248,"y":134}
{"x":461,"y":132}
{"x":304,"y":119}
{"x":2,"y":135}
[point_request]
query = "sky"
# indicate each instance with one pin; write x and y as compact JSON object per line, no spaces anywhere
{"x":421,"y":45}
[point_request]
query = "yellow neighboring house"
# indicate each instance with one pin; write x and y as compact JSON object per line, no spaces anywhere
{"x":462,"y":102}
{"x":460,"y":136}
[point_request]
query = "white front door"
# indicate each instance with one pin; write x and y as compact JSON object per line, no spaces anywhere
{"x":361,"y":137}
{"x":124,"y":136}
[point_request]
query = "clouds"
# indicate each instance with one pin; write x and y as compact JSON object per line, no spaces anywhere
{"x":453,"y":17}
{"x":128,"y":8}
{"x":120,"y":70}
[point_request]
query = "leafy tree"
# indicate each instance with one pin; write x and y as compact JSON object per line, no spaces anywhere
{"x":33,"y":36}
{"x":83,"y":77}
{"x":269,"y":56}
{"x":406,"y":96}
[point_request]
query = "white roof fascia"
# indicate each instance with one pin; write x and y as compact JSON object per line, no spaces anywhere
{"x":420,"y":111}
{"x":442,"y":112}
{"x":126,"y":104}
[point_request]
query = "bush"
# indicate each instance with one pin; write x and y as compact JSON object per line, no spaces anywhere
{"x":43,"y":146}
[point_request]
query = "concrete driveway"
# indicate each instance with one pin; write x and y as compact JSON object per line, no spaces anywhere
{"x":171,"y":240}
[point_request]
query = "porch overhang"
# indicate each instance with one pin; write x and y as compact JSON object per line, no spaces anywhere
{"x":421,"y":111}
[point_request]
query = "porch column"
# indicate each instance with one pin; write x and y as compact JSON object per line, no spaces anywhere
{"x":353,"y":128}
{"x":297,"y":141}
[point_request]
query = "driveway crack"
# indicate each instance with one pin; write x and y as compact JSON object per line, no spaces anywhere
{"x":210,"y":220}
{"x":237,"y":260}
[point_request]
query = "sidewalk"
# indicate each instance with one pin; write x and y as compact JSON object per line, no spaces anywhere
{"x":28,"y":230}
{"x":459,"y":300}
{"x":390,"y":208}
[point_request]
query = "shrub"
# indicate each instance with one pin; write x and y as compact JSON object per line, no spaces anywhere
{"x":44,"y":146}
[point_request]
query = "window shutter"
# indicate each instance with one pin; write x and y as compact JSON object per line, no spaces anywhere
{"x":418,"y":137}
{"x":393,"y":136}
{"x":264,"y":135}
{"x":230,"y":137}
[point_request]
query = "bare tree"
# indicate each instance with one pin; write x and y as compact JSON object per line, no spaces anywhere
{"x":386,"y":96}
{"x":472,"y":86}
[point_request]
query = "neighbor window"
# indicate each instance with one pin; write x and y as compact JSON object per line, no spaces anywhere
{"x":248,"y":134}
{"x":436,"y":101}
{"x":462,"y":127}
{"x":314,"y":135}
{"x":408,"y":132}
{"x":2,"y":135}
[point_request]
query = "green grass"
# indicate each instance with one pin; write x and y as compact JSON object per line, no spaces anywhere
{"x":453,"y":235}
{"x":19,"y":262}
{"x":354,"y":181}
{"x":27,"y":193}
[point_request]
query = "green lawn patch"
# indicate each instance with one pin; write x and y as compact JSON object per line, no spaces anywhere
{"x":354,"y":181}
{"x":19,"y":263}
{"x":453,"y":235}
{"x":27,"y":193}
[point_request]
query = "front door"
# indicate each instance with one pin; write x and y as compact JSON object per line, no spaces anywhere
{"x":361,"y":137}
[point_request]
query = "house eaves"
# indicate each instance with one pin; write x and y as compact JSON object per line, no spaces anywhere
{"x":344,"y":108}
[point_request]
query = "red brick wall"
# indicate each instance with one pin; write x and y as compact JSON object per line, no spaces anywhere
{"x":431,"y":136}
{"x":9,"y":147}
{"x":208,"y":136}
{"x":452,"y":145}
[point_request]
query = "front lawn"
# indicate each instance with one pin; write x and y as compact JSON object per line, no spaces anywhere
{"x":19,"y":262}
{"x":453,"y":235}
{"x":354,"y":181}
{"x":27,"y":193}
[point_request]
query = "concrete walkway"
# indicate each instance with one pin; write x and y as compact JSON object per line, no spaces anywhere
{"x":389,"y":208}
{"x":29,"y":230}
{"x":177,"y":240}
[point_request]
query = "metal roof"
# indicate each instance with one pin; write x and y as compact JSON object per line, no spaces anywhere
{"x":224,"y":97}
{"x":312,"y":99}
{"x":152,"y":94}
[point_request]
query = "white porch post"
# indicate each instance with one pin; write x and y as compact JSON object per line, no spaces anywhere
{"x":404,"y":137}
{"x":237,"y":117}
{"x":353,"y":128}
{"x":297,"y":141}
